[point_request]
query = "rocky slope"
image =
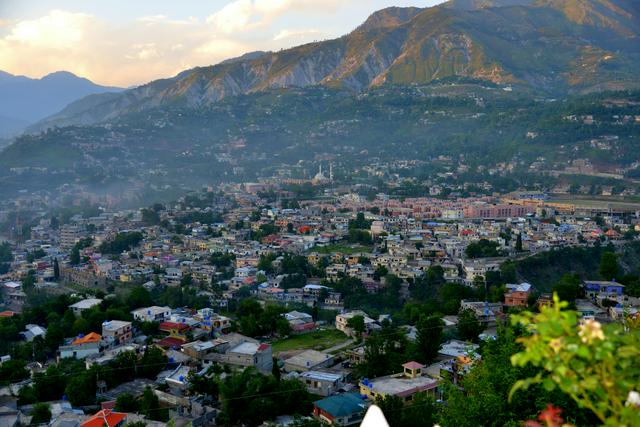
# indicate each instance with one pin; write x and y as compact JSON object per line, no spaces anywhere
{"x":554,"y":46}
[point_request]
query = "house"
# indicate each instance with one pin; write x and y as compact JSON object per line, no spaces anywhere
{"x":322,"y":383}
{"x":33,"y":331}
{"x":343,"y":319}
{"x":116,"y":332}
{"x":404,"y":385}
{"x":151,"y":314}
{"x":300,"y":322}
{"x":83,"y":305}
{"x":308,"y":360}
{"x":517,"y":295}
{"x":484,"y":311}
{"x":81,"y":347}
{"x":106,"y":418}
{"x":600,"y":290}
{"x":345,"y":409}
{"x":238,"y":350}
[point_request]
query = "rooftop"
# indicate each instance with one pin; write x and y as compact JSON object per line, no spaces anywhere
{"x":321,"y":376}
{"x":342,"y":404}
{"x":399,"y":385}
{"x":86,"y":303}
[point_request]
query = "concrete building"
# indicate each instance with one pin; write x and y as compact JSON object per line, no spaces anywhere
{"x":152,"y":314}
{"x":404,"y":385}
{"x":517,"y":295}
{"x":83,"y":305}
{"x":308,"y":360}
{"x":322,"y":383}
{"x":116,"y":332}
{"x":346,"y":409}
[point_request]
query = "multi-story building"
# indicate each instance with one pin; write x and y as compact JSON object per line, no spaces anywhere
{"x":116,"y":332}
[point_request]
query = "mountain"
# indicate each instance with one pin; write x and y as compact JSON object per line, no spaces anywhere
{"x":550,"y":46}
{"x":24,"y":100}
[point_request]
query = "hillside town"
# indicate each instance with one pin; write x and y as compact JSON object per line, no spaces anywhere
{"x":181,"y":300}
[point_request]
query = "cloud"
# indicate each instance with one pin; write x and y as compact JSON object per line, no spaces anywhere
{"x":297,"y":34}
{"x":247,"y":15}
{"x":158,"y":46}
{"x":136,"y":52}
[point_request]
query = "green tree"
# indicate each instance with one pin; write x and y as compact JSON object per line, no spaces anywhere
{"x":468,"y":326}
{"x":126,"y":403}
{"x":568,"y":288}
{"x":519,"y":243}
{"x":40,"y":413}
{"x":74,"y":258}
{"x":428,"y":339}
{"x":609,"y":268}
{"x":594,"y":364}
{"x":357,"y":324}
{"x":275,"y":370}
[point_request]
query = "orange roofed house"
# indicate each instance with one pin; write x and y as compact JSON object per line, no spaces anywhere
{"x":106,"y":417}
{"x":81,"y":347}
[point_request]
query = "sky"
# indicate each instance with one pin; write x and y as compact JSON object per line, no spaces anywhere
{"x":130,"y":42}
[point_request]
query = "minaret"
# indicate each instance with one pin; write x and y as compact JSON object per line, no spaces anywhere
{"x":331,"y":171}
{"x":320,"y":173}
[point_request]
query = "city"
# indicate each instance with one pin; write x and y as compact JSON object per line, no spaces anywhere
{"x":400,"y":215}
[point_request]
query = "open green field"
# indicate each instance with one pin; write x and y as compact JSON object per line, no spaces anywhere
{"x":345,"y":249}
{"x":317,"y":340}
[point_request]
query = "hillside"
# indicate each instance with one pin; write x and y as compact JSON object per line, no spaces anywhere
{"x":24,"y":101}
{"x":549,"y":46}
{"x":164,"y":151}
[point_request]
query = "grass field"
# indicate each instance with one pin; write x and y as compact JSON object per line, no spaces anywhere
{"x":317,"y":340}
{"x":345,"y":249}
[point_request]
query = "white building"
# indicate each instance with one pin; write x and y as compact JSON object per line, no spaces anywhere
{"x":152,"y":314}
{"x":85,"y":304}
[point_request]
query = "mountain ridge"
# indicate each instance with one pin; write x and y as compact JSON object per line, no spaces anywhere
{"x":549,"y":45}
{"x":24,"y":100}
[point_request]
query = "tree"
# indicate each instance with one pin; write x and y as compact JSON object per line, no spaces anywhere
{"x":81,"y":389}
{"x":429,"y":338}
{"x":126,"y":403}
{"x":357,"y":324}
{"x":275,"y":370}
{"x":468,"y":326}
{"x":56,"y":269}
{"x":40,"y":414}
{"x":519,"y":243}
{"x":609,"y":269}
{"x":380,"y":272}
{"x":595,"y":364}
{"x":568,"y":288}
{"x":150,"y":405}
{"x":12,"y":371}
{"x":74,"y":258}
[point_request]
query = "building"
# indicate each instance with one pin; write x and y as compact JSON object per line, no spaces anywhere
{"x":33,"y":331}
{"x":404,"y":385}
{"x":106,"y":418}
{"x":345,"y":409}
{"x":151,"y":314}
{"x":116,"y":332}
{"x":308,"y":360}
{"x":85,"y":304}
{"x":517,"y":295}
{"x":69,"y":236}
{"x":238,"y":350}
{"x":81,"y":347}
{"x":322,"y":383}
{"x":300,"y":322}
{"x":600,"y":290}
{"x":343,"y":319}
